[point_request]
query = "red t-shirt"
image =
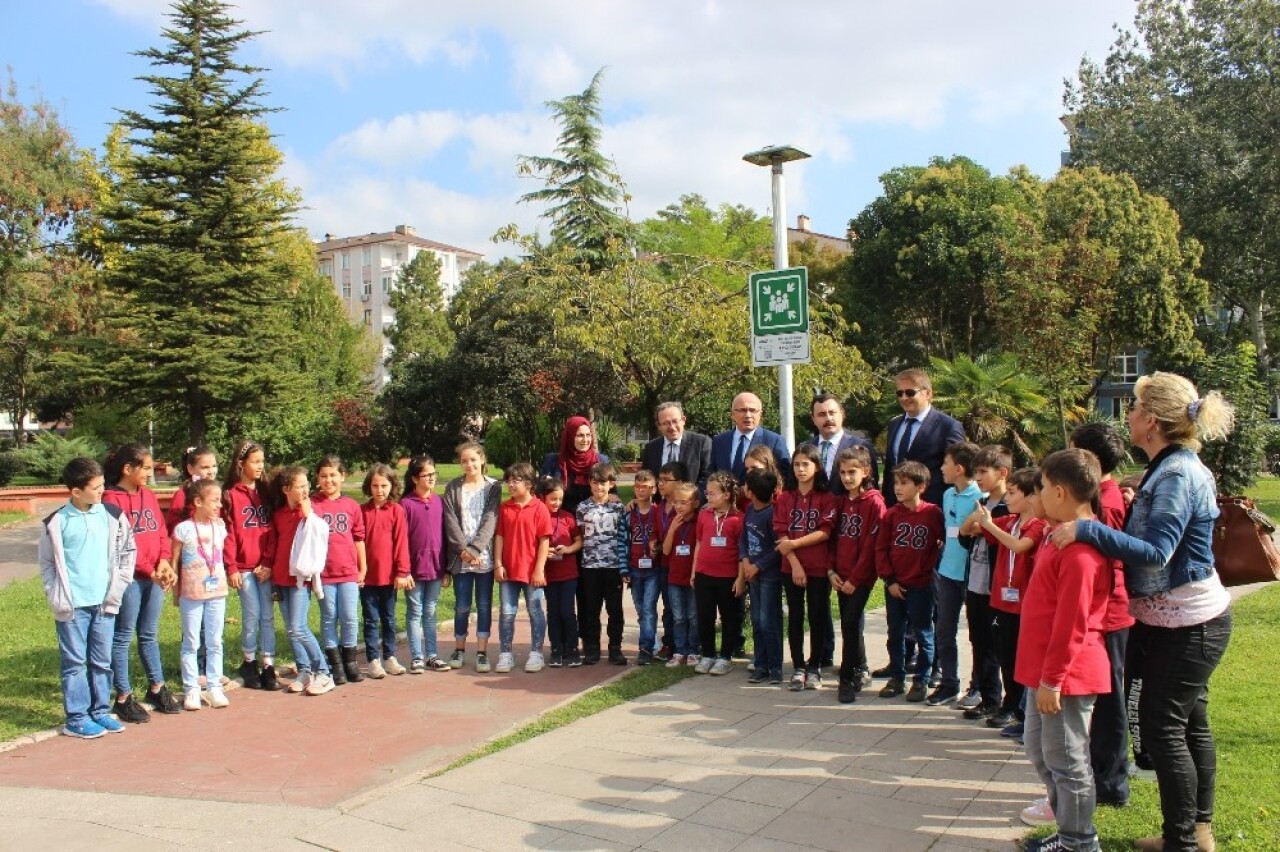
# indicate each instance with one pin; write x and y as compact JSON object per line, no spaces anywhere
{"x":521,"y":528}
{"x":717,"y":543}
{"x":564,"y":530}
{"x":680,"y":559}
{"x":642,"y":529}
{"x":1060,"y":644}
{"x":150,"y":534}
{"x":795,"y":515}
{"x":346,"y":527}
{"x":1018,"y":575}
{"x":248,"y":519}
{"x":857,"y":525}
{"x":386,"y":543}
{"x":278,"y":544}
{"x":909,"y":545}
{"x":1113,"y":512}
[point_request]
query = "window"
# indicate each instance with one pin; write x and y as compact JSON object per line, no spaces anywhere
{"x":346,"y":261}
{"x":346,"y":289}
{"x":1124,"y":368}
{"x":326,"y":268}
{"x":367,"y":256}
{"x":368,"y":317}
{"x":386,"y":283}
{"x":368,"y":288}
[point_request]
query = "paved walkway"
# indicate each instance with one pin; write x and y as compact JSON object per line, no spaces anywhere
{"x":18,"y":546}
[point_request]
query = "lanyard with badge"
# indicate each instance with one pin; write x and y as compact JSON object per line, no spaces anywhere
{"x":644,"y":563}
{"x":719,"y":539}
{"x":211,"y":560}
{"x":1010,"y":594}
{"x":682,"y":546}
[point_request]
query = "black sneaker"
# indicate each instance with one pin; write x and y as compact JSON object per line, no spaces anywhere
{"x":573,"y":659}
{"x":759,"y":676}
{"x":917,"y":692}
{"x":943,"y":695}
{"x":129,"y":710}
{"x":591,"y":657}
{"x":616,"y":657}
{"x":162,"y":702}
{"x":982,"y":711}
{"x":775,"y":677}
{"x":883,"y":671}
{"x":556,"y":660}
{"x":1052,"y":843}
{"x":665,"y":652}
{"x":644,"y":658}
{"x":846,"y":694}
{"x":893,"y":688}
{"x":268,"y":681}
{"x":249,"y":675}
{"x":1001,"y":719}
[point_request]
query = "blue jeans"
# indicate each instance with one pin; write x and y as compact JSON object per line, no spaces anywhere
{"x":562,"y":616}
{"x":257,"y":617}
{"x":766,"y":622}
{"x":509,"y":597}
{"x":295,"y":607}
{"x":211,"y":614}
{"x":644,"y":594}
{"x":340,"y":608}
{"x":916,"y":612}
{"x":379,"y":605}
{"x":1058,"y":748}
{"x":139,"y":609}
{"x":465,"y":586}
{"x":420,"y":615}
{"x":950,"y":598}
{"x":84,"y":644}
{"x":684,"y":620}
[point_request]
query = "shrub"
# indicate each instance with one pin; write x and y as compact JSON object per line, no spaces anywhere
{"x":626,"y":453}
{"x":10,"y":466}
{"x":46,"y":456}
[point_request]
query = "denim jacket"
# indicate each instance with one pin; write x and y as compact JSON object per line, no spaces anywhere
{"x":1168,"y":540}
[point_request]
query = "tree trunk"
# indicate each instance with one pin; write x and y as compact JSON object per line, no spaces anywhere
{"x":1258,"y":331}
{"x":1062,"y":418}
{"x":197,"y":424}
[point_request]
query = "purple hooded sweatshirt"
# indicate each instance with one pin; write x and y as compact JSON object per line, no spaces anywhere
{"x":426,"y":535}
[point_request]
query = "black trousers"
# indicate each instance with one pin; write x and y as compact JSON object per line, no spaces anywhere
{"x":1108,"y":729}
{"x":853,"y":649}
{"x":815,"y":598}
{"x":986,"y":664}
{"x":599,"y":587}
{"x":714,"y":595}
{"x":1008,"y":626}
{"x":1173,"y":715}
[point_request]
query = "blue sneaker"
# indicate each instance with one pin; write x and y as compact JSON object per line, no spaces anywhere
{"x":86,"y":729}
{"x":109,"y":724}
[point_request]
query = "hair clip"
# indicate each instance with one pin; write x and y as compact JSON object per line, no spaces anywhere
{"x":1193,"y":408}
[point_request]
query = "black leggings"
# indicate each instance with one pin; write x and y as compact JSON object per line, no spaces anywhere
{"x":813,"y":597}
{"x":1008,"y":626}
{"x":712,"y":595}
{"x":853,"y":650}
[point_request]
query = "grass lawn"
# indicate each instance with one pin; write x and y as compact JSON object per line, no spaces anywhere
{"x":7,"y":518}
{"x":1266,"y":493}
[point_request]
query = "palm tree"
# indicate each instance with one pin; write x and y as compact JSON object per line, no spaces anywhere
{"x":997,"y":401}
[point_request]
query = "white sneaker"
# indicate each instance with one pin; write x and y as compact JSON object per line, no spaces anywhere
{"x":721,"y":667}
{"x":506,"y":662}
{"x":704,"y":665}
{"x":191,"y":701}
{"x":676,"y":661}
{"x":691,"y":660}
{"x":218,"y":698}
{"x":300,"y":683}
{"x":376,"y":671}
{"x":535,"y":662}
{"x":320,"y":684}
{"x":392,"y":666}
{"x":1038,"y":813}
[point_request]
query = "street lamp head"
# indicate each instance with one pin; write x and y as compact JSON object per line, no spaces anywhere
{"x":775,"y":154}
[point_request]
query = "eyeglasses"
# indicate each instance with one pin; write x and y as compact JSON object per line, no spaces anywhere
{"x":746,"y":411}
{"x":667,"y":479}
{"x":431,"y":475}
{"x":909,"y":393}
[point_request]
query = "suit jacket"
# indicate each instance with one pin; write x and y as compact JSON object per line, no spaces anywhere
{"x":695,"y":455}
{"x":847,"y":440}
{"x":723,"y":447}
{"x":929,"y":445}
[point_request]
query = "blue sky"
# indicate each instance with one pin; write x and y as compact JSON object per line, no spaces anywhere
{"x":400,"y":112}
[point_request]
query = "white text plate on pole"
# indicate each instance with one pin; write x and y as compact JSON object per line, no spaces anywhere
{"x":779,"y":317}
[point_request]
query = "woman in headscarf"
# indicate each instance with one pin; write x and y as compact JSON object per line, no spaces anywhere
{"x":572,"y":464}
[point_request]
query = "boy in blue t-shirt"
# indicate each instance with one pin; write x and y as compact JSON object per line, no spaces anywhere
{"x":952,"y":578}
{"x":762,"y":569}
{"x":87,"y":557}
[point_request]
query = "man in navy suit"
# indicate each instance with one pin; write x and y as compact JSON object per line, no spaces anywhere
{"x":828,"y":420}
{"x":921,"y":433}
{"x":676,"y":444}
{"x":729,"y":448}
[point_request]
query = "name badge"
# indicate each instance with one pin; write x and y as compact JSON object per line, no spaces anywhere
{"x":1009,"y":595}
{"x":211,"y":583}
{"x":719,"y":541}
{"x":953,"y":532}
{"x":645,"y":563}
{"x":683,"y":550}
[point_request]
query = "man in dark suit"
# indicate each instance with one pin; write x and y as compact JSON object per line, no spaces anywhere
{"x":729,"y":448}
{"x":828,"y":420}
{"x":921,"y":433}
{"x":676,"y":444}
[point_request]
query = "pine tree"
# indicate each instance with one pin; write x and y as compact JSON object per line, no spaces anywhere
{"x":582,"y":189}
{"x":198,"y":213}
{"x":422,"y":328}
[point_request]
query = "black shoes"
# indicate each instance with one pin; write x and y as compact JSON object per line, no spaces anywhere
{"x":943,"y":695}
{"x":591,"y":656}
{"x":982,"y":711}
{"x":162,"y":702}
{"x":352,"y":667}
{"x":335,"y":666}
{"x":893,"y":688}
{"x":616,"y":657}
{"x":249,"y":675}
{"x":267,"y":682}
{"x":883,"y":671}
{"x":644,"y":658}
{"x":847,"y":693}
{"x":129,"y":710}
{"x":917,"y":692}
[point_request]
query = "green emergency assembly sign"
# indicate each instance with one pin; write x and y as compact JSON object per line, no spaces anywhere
{"x":780,"y":317}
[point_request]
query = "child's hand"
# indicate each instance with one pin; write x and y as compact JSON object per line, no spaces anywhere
{"x":626,"y":579}
{"x":360,"y":577}
{"x":305,"y":507}
{"x":739,"y":587}
{"x":262,"y":572}
{"x":786,"y":546}
{"x":798,"y":577}
{"x":500,"y":573}
{"x":538,"y":580}
{"x":897,"y":592}
{"x":1048,"y":701}
{"x":653,"y":549}
{"x":1065,"y":534}
{"x":233,"y":579}
{"x":404,"y":584}
{"x":445,"y":581}
{"x":752,"y":571}
{"x":470,"y":558}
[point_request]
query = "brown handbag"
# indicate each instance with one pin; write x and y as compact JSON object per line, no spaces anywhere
{"x":1243,"y":550}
